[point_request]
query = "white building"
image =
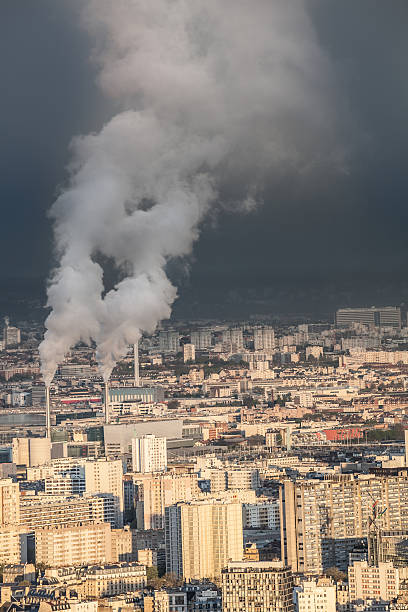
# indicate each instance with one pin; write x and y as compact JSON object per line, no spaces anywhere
{"x":188,"y":352}
{"x":31,"y":451}
{"x":169,"y":341}
{"x":262,"y":515}
{"x":103,"y":476}
{"x":201,"y":537}
{"x":73,"y":545}
{"x":264,"y":339}
{"x":11,"y":335}
{"x":149,"y":454}
{"x":201,"y":339}
{"x":315,"y":596}
{"x":13,"y":545}
{"x":372,"y":582}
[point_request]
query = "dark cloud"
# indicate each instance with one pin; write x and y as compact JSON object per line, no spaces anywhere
{"x":335,"y":239}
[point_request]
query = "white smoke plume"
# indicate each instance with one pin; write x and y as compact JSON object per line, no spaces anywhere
{"x":208,"y":92}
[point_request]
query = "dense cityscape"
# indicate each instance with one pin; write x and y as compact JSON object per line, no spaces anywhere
{"x":224,"y":466}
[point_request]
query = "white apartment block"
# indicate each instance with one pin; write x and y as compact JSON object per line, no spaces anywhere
{"x":149,"y":454}
{"x":188,"y":352}
{"x":37,"y":511}
{"x":13,"y":545}
{"x":169,"y":341}
{"x":243,"y":479}
{"x":104,"y":476}
{"x":73,"y":545}
{"x":371,"y":582}
{"x":155,"y":492}
{"x":31,"y":451}
{"x":201,"y":339}
{"x":233,"y":338}
{"x":264,"y":339}
{"x":201,"y":537}
{"x":315,"y":596}
{"x":9,"y":503}
{"x":262,"y":515}
{"x":64,"y":484}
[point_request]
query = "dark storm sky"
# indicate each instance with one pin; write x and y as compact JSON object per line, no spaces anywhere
{"x":341,"y":240}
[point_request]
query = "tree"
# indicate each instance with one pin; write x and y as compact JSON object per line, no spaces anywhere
{"x":336,"y":574}
{"x":173,"y":404}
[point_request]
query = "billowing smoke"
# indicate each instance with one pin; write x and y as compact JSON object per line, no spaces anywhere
{"x":208,"y":94}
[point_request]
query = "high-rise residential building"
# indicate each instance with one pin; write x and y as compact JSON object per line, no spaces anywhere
{"x":233,"y":338}
{"x":169,"y":341}
{"x":73,"y":545}
{"x":188,"y":352}
{"x":13,"y":545}
{"x":389,"y":316}
{"x":155,"y":492}
{"x":264,"y":338}
{"x":264,"y":514}
{"x":64,"y":484}
{"x":316,"y":596}
{"x":322,"y":521}
{"x":201,"y":537}
{"x":37,"y":511}
{"x":31,"y":451}
{"x":104,"y":476}
{"x":257,"y":586}
{"x":149,"y":454}
{"x":9,"y":503}
{"x":11,"y":335}
{"x":201,"y":339}
{"x":371,"y":582}
{"x":232,"y":478}
{"x":243,"y":478}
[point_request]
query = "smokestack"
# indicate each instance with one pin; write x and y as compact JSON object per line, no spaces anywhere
{"x":136,"y":364}
{"x":47,"y":412}
{"x":106,"y":402}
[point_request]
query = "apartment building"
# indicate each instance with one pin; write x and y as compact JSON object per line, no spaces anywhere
{"x":113,"y":579}
{"x":316,"y":596}
{"x":149,"y":454}
{"x":322,"y":521}
{"x":64,"y":484}
{"x":262,"y":515}
{"x":388,"y":316}
{"x":201,"y":537}
{"x":9,"y":503}
{"x":38,"y":511}
{"x":13,"y":545}
{"x":104,"y":476}
{"x":257,"y":586}
{"x":188,"y":353}
{"x":155,"y":492}
{"x":201,"y":339}
{"x":264,"y":339}
{"x":31,"y":451}
{"x":73,"y":545}
{"x":372,"y":582}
